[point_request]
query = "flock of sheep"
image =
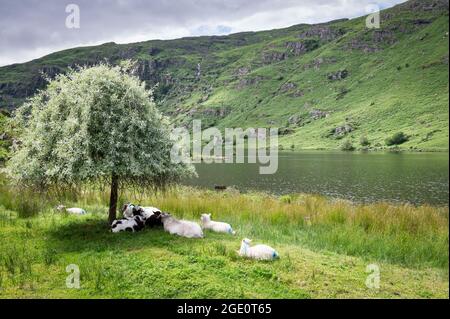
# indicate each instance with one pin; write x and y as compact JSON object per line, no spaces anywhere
{"x":137,"y":218}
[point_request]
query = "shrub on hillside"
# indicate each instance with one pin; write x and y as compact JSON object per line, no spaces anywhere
{"x":397,"y":139}
{"x":364,"y":141}
{"x":347,"y":146}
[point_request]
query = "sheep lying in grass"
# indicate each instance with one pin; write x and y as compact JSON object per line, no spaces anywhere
{"x":182,"y":228}
{"x":73,"y":210}
{"x":129,"y":210}
{"x":128,"y":224}
{"x":260,"y":252}
{"x":218,"y":227}
{"x":151,"y":215}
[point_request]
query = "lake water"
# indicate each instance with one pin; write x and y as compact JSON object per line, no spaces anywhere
{"x":417,"y":178}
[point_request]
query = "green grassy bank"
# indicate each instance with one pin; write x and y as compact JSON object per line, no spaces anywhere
{"x":325,"y":246}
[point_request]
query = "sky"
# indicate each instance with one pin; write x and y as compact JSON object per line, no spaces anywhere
{"x":30,"y":29}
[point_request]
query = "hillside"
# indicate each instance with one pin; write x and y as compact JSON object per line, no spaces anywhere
{"x":320,"y":84}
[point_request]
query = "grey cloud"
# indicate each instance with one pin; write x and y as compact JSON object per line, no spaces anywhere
{"x":31,"y":28}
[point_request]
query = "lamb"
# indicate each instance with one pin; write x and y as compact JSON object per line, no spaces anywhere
{"x":182,"y":228}
{"x":218,"y":227}
{"x":128,"y":224}
{"x":73,"y":210}
{"x":260,"y":252}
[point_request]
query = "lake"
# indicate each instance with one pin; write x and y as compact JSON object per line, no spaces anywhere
{"x":418,"y":178}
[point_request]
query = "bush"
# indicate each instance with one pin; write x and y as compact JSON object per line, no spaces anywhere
{"x":364,"y":141}
{"x":397,"y":139}
{"x":347,"y":146}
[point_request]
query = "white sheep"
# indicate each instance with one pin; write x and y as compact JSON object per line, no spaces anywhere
{"x":218,"y":227}
{"x":182,"y":228}
{"x":260,"y":252}
{"x":72,"y":210}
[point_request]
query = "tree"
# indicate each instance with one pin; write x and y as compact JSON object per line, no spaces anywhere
{"x":94,"y":125}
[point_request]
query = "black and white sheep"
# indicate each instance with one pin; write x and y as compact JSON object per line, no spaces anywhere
{"x":151,"y":215}
{"x":133,"y":224}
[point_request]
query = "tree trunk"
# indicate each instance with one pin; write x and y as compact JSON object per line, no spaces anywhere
{"x":113,"y":198}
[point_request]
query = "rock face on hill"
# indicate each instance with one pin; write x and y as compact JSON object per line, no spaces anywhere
{"x":305,"y":77}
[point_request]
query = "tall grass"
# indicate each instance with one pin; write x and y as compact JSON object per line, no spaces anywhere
{"x":403,"y":234}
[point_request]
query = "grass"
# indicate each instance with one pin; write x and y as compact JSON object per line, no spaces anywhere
{"x":325,"y":246}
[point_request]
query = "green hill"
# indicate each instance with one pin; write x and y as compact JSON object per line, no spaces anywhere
{"x":322,"y":85}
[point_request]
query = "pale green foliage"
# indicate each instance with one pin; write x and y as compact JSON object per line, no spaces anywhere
{"x":89,"y":124}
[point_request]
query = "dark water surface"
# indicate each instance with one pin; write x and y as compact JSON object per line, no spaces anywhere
{"x":417,"y":178}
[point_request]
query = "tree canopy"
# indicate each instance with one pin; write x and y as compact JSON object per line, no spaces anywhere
{"x":94,"y":124}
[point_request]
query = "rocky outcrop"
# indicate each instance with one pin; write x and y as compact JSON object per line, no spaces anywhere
{"x":216,"y":112}
{"x":420,"y":5}
{"x":291,"y":48}
{"x":243,"y":71}
{"x":294,"y":119}
{"x":374,"y":40}
{"x":325,"y":33}
{"x":296,"y":48}
{"x":287,"y":87}
{"x":273,"y":57}
{"x":384,"y":37}
{"x":318,"y":62}
{"x":343,"y":130}
{"x":318,"y":114}
{"x":358,"y":44}
{"x":152,"y":71}
{"x":301,"y":47}
{"x":338,"y":75}
{"x":220,"y":112}
{"x":246,"y":82}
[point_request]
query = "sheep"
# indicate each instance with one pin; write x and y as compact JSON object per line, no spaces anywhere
{"x":128,"y":210}
{"x":128,"y":224}
{"x":218,"y":227}
{"x":260,"y":252}
{"x":151,"y":215}
{"x":154,"y":220}
{"x":182,"y":228}
{"x":73,"y":210}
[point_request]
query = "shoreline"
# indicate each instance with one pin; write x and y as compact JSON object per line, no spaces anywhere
{"x":324,"y":196}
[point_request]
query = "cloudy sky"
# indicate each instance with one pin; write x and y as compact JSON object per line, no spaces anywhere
{"x":32,"y":28}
